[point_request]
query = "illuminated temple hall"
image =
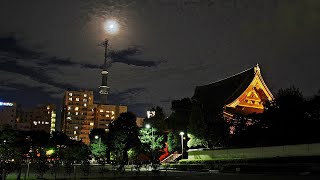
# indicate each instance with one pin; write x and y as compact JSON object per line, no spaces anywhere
{"x":243,"y":93}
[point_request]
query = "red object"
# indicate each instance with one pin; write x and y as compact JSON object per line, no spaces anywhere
{"x":166,"y":153}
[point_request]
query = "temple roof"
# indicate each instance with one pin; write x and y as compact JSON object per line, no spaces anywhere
{"x":217,"y":94}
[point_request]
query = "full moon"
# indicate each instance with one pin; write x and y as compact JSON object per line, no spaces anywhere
{"x":111,"y":26}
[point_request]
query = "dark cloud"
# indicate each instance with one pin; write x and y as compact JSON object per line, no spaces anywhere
{"x":130,"y":55}
{"x":91,"y":66}
{"x":11,"y":45}
{"x":35,"y":73}
{"x":124,"y":97}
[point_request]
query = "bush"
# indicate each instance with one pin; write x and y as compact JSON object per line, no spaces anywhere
{"x":189,"y":167}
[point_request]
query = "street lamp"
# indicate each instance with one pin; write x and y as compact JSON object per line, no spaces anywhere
{"x":181,"y":134}
{"x":148,"y":126}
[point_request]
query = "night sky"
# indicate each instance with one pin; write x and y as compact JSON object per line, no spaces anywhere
{"x":163,"y":50}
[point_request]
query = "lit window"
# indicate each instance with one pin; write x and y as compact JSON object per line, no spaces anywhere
{"x":77,"y":99}
{"x":107,"y":111}
{"x":47,"y":123}
{"x":69,"y":118}
{"x":101,"y":110}
{"x":77,"y":113}
{"x":76,"y":138}
{"x":76,"y":127}
{"x":69,"y":113}
{"x":91,"y":124}
{"x":42,"y":122}
{"x":70,"y":94}
{"x":107,"y":115}
{"x":48,"y":107}
{"x":74,"y":132}
{"x":112,"y":112}
{"x":39,"y":122}
{"x":85,"y":105}
{"x":70,"y":99}
{"x":112,"y":117}
{"x":85,"y":95}
{"x":107,"y":130}
{"x":76,"y":108}
{"x":69,"y":107}
{"x":35,"y":122}
{"x":84,"y":100}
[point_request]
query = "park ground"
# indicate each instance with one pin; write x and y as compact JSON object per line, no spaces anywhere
{"x":96,"y":173}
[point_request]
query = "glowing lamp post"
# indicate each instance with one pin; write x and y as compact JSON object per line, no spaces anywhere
{"x":181,"y":134}
{"x":97,"y":137}
{"x":148,"y":126}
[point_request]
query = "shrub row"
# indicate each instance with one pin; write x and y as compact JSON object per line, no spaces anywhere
{"x":189,"y":167}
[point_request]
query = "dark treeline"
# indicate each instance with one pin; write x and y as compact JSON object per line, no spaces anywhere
{"x":289,"y":119}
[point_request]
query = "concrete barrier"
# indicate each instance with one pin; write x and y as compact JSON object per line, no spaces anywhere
{"x":257,"y":152}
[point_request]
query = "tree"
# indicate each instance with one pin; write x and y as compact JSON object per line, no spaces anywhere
{"x":75,"y":152}
{"x":313,"y":115}
{"x":98,"y":149}
{"x":284,"y":116}
{"x":101,"y":133}
{"x":174,"y":141}
{"x":123,"y":135}
{"x":207,"y":131}
{"x":179,"y":118}
{"x":158,"y":121}
{"x":12,"y":149}
{"x":154,"y":142}
{"x":195,"y":142}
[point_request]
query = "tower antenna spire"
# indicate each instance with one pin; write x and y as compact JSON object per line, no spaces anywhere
{"x":104,"y":88}
{"x":105,"y":44}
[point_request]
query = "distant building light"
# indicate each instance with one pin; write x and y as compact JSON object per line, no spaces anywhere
{"x":70,"y":94}
{"x":70,"y":99}
{"x":101,"y":110}
{"x":77,"y":99}
{"x":76,"y":108}
{"x":6,"y":104}
{"x":150,"y":114}
{"x":85,"y":95}
{"x":91,"y":124}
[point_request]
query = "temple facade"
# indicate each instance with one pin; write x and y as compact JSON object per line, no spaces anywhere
{"x":244,"y":93}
